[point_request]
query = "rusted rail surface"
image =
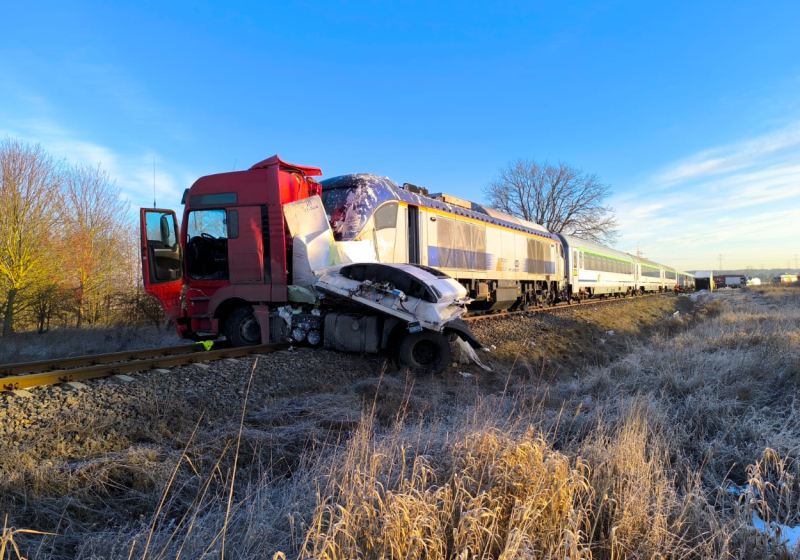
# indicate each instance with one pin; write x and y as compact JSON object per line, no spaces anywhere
{"x":17,"y":382}
{"x":80,"y":361}
{"x":584,"y":303}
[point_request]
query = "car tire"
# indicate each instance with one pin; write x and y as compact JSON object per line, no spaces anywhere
{"x":425,"y":352}
{"x":242,"y":328}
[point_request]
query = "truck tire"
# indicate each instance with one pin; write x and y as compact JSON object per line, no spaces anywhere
{"x":242,"y":328}
{"x":425,"y":352}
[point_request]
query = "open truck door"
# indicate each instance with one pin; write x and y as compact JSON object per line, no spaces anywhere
{"x":162,"y":259}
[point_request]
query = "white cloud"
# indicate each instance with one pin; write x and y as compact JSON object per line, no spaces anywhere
{"x":132,"y":172}
{"x":740,"y":200}
{"x":731,"y":158}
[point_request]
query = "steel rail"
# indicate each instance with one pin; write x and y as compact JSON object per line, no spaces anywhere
{"x":96,"y":359}
{"x":557,"y":307}
{"x":17,"y":382}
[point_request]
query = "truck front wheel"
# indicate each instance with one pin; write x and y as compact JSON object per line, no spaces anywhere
{"x":242,"y":328}
{"x":425,"y":352}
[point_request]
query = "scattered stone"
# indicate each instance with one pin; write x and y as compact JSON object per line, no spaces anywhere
{"x":77,"y":385}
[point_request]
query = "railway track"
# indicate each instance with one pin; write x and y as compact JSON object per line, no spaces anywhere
{"x":559,"y":306}
{"x":23,"y":376}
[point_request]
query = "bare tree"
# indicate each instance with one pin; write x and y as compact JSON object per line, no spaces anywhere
{"x":95,"y":224}
{"x":29,"y":201}
{"x":560,"y":197}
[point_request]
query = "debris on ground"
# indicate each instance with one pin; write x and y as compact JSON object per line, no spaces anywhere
{"x":466,"y":353}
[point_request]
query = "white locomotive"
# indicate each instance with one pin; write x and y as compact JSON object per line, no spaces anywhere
{"x":503,"y":261}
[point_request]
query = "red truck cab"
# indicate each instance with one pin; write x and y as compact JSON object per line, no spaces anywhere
{"x":228,"y":260}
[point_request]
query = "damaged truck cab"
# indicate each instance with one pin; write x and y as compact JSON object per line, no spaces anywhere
{"x":255,"y":261}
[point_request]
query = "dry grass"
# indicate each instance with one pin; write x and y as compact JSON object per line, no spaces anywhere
{"x":667,"y":452}
{"x":66,"y":342}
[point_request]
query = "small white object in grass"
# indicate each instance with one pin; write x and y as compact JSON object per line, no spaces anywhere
{"x":465,"y":374}
{"x":784,"y":533}
{"x":676,"y":314}
{"x":610,"y":333}
{"x":468,"y":352}
{"x":602,"y":340}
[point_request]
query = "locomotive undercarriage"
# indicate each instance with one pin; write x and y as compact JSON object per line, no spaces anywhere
{"x":501,"y":295}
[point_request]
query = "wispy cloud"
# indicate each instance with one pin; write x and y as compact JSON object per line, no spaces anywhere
{"x":741,"y":200}
{"x":132,"y":170}
{"x":731,"y":158}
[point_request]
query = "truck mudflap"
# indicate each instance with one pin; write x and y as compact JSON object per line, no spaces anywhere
{"x":460,"y":328}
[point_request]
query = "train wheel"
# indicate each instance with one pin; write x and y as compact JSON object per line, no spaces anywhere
{"x":425,"y":352}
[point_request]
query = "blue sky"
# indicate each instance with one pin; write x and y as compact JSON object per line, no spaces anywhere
{"x":690,"y":111}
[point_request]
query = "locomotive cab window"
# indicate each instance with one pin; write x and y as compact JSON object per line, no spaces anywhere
{"x":207,"y":235}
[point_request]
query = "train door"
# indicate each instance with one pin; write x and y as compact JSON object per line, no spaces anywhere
{"x":413,"y":235}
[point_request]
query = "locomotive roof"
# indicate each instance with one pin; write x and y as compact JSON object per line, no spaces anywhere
{"x":379,"y":189}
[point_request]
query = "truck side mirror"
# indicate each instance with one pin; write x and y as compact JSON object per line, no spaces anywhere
{"x":165,"y":229}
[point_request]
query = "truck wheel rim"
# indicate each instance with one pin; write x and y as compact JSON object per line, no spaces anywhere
{"x":250,"y":330}
{"x":425,"y":353}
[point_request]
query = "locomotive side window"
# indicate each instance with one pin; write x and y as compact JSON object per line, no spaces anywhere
{"x":386,"y":216}
{"x":207,"y":244}
{"x":386,"y":231}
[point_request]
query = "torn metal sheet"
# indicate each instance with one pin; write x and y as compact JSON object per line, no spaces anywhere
{"x":414,"y":294}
